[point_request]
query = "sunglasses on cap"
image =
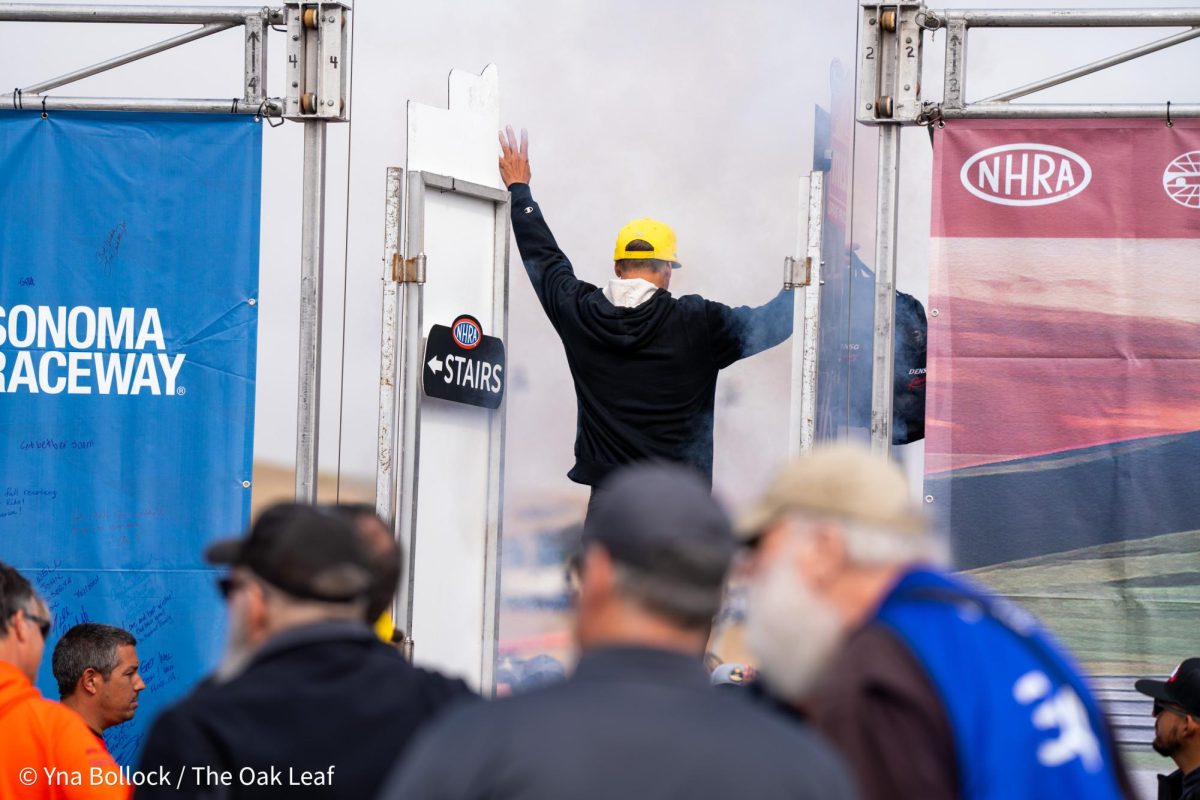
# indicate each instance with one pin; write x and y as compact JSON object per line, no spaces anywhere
{"x":42,"y":623}
{"x":1160,"y":707}
{"x":228,"y":584}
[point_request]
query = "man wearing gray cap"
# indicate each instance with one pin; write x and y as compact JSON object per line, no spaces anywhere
{"x":638,"y":718}
{"x":308,"y":702}
{"x":930,"y":685}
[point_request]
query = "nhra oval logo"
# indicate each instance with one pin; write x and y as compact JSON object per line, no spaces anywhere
{"x":466,"y":332}
{"x":1025,"y":174}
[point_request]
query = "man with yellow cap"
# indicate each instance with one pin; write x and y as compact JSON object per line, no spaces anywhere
{"x":644,"y":362}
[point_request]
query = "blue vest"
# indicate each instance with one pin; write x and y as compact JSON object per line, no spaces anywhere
{"x":1025,"y":725}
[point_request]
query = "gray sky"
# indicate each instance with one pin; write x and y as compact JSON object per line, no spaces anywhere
{"x":699,"y":113}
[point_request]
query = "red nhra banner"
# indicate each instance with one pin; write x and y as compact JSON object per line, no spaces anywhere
{"x":1063,"y":417}
{"x":1116,"y":179}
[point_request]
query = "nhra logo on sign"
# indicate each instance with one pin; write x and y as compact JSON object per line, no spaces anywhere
{"x":466,"y":332}
{"x":1025,"y":174}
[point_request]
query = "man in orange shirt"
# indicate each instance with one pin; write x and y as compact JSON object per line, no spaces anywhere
{"x":48,"y":751}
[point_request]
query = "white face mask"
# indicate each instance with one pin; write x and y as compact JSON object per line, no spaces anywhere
{"x":792,"y":631}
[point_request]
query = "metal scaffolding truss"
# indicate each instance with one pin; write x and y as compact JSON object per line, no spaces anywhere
{"x":255,"y":22}
{"x":316,"y":93}
{"x":891,"y":43}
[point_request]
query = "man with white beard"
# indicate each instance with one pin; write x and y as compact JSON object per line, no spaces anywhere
{"x":308,"y":702}
{"x":931,"y":686}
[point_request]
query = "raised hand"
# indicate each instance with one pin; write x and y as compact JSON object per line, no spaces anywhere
{"x":514,"y":160}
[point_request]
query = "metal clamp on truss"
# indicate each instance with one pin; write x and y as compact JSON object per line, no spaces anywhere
{"x":890,"y":63}
{"x":316,"y":61}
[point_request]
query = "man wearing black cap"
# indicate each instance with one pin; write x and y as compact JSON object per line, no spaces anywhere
{"x":1177,"y":728}
{"x":638,"y":718}
{"x":306,"y":692}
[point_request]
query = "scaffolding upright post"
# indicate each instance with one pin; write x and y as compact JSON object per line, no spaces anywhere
{"x":316,"y":95}
{"x":312,"y":267}
{"x":882,"y":369}
{"x":890,"y":97}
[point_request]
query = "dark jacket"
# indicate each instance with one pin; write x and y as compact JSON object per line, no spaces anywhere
{"x":321,"y":696}
{"x":630,"y":723}
{"x":1178,"y":786}
{"x":645,"y":377}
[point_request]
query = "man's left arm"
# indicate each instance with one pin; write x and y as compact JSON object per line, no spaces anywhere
{"x":549,"y":270}
{"x":748,"y":330}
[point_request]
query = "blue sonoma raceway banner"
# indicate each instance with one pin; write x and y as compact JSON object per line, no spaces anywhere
{"x":129,"y":248}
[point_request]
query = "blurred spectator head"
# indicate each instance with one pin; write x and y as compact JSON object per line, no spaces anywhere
{"x":656,"y":548}
{"x":297,"y":565}
{"x":24,"y":622}
{"x":387,"y":560}
{"x":96,"y":667}
{"x":1176,"y":713}
{"x":824,"y":542}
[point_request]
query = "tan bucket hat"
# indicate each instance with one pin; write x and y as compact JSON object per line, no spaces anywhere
{"x":838,"y":480}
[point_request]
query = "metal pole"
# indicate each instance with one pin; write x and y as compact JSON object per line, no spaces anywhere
{"x":148,"y":50}
{"x":1069,"y":111}
{"x":1070,"y":17}
{"x":272,"y":107}
{"x":312,"y":264}
{"x":1095,"y":66}
{"x":182,"y":15}
{"x":385,"y":472}
{"x":882,"y":377}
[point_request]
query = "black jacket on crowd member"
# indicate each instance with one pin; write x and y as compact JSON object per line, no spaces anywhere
{"x":645,"y":377}
{"x":631,"y":722}
{"x":1178,"y":786}
{"x":323,"y":695}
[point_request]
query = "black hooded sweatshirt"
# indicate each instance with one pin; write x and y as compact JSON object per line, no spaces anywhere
{"x":645,"y":377}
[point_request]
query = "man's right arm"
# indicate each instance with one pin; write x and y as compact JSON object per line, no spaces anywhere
{"x":745,"y":331}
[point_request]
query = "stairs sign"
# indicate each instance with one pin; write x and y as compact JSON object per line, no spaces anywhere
{"x":463,"y":365}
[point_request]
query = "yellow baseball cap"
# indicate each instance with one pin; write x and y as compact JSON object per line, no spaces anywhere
{"x":657,"y":234}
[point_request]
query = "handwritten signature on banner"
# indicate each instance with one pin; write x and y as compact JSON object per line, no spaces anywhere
{"x":17,"y":498}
